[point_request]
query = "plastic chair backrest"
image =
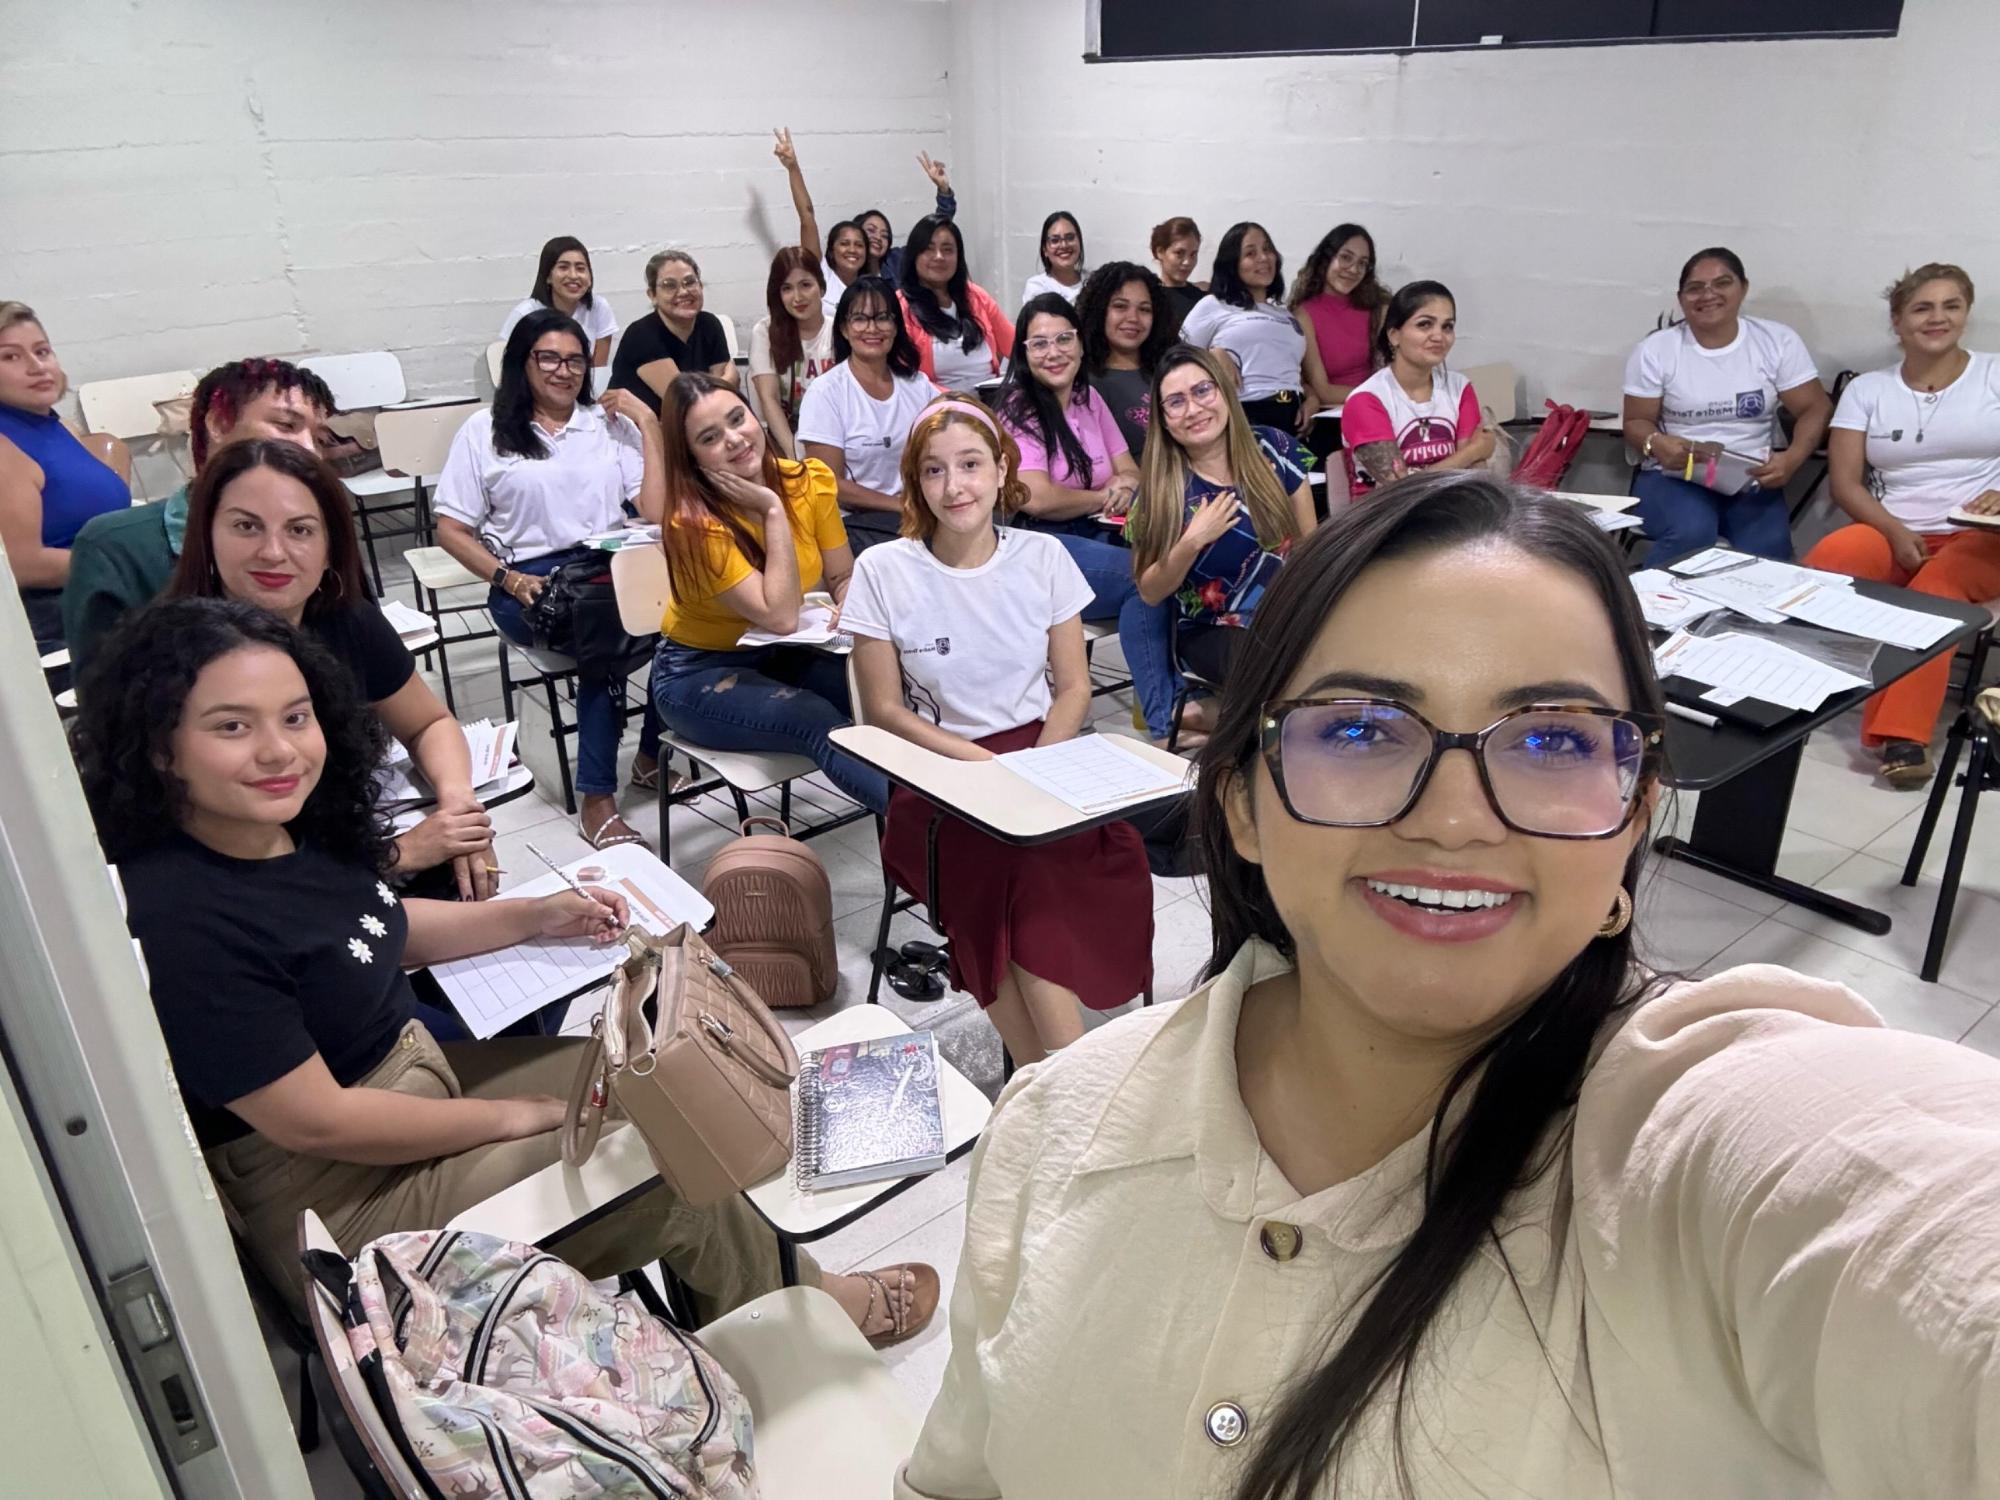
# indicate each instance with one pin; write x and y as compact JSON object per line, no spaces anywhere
{"x":128,"y":408}
{"x":639,"y":580}
{"x":1494,"y":385}
{"x":729,"y":335}
{"x":360,"y":382}
{"x":338,"y":1356}
{"x":493,"y":352}
{"x":415,"y":440}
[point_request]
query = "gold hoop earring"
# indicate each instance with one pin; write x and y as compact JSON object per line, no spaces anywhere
{"x":1620,"y":918}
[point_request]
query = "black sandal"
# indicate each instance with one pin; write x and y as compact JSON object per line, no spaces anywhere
{"x":914,"y":978}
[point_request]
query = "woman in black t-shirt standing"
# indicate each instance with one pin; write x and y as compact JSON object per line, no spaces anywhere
{"x":230,"y":773}
{"x":270,"y":524}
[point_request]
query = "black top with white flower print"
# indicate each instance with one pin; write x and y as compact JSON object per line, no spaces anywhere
{"x":257,"y":964}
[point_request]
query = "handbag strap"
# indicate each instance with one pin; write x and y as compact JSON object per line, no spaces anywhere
{"x":725,"y":1036}
{"x":783,"y":828}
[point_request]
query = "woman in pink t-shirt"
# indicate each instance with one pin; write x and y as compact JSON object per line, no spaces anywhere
{"x":1413,"y":413}
{"x":1342,"y":304}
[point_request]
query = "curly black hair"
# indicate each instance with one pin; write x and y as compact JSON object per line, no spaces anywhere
{"x":131,"y":698}
{"x":1094,"y":301}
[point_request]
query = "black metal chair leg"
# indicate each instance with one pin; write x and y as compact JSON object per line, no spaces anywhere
{"x":506,"y":682}
{"x":308,"y":1407}
{"x":562,"y":750}
{"x":368,"y":544}
{"x":1934,"y":803}
{"x":1174,"y":722}
{"x":785,"y":803}
{"x":1954,"y":864}
{"x":742,"y":806}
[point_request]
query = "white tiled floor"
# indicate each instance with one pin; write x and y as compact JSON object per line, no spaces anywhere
{"x":1847,"y":835}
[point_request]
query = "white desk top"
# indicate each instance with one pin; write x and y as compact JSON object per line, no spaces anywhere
{"x":1329,"y":411}
{"x":984,"y":791}
{"x":1598,"y":502}
{"x":518,"y":782}
{"x":541,"y":1206}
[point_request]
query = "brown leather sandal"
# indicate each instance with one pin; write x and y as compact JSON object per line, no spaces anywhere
{"x":919,"y":1283}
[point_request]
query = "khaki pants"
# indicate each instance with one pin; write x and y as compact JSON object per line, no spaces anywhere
{"x":726,"y":1255}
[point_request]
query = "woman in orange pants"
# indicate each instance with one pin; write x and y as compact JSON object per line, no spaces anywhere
{"x":1929,"y":429}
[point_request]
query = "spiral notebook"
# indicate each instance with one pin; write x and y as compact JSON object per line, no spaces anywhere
{"x":868,"y":1111}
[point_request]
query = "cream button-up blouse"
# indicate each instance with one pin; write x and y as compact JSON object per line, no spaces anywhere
{"x":1766,"y":1267}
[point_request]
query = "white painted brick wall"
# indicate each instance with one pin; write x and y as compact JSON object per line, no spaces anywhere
{"x":190,"y":181}
{"x":1556,"y":192}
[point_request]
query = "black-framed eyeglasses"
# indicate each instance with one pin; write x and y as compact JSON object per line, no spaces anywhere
{"x":873,"y":320}
{"x":1556,"y":771}
{"x":548,"y":361}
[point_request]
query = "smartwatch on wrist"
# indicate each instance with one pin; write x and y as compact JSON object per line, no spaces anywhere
{"x":500,"y":577}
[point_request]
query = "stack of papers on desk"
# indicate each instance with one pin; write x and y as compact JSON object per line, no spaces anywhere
{"x":1752,"y":586}
{"x":1092,"y":774}
{"x":1612,"y":520}
{"x":816,"y":628}
{"x":1848,"y":612}
{"x":623,"y":536}
{"x":1734,"y":667}
{"x":410,"y":624}
{"x":1666,"y":602}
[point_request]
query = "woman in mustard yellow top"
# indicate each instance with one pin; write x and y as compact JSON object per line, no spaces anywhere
{"x":747,"y":536}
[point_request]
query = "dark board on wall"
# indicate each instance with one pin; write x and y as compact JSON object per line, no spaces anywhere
{"x":1132,"y":29}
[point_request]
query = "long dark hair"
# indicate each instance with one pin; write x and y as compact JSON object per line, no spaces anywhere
{"x":133,"y":694}
{"x":786,"y":349}
{"x":923,"y":301}
{"x":904,"y":360}
{"x":1368,"y":293}
{"x":1041,"y":245}
{"x":1226,"y":282}
{"x":513,"y":402}
{"x":195,"y":575}
{"x":1093,"y":305}
{"x":1523,"y":1082}
{"x":1405,"y":305}
{"x":695,"y":508}
{"x":1028,"y":404}
{"x":554,"y":251}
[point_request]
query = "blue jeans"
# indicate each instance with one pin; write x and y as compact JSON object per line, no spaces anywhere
{"x":1682,"y":518}
{"x":1145,"y":631}
{"x":771,"y":698}
{"x":600,"y":701}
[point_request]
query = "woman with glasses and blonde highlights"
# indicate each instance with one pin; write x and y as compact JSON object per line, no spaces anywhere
{"x":1433,"y":1187}
{"x":1221,"y":504}
{"x":679,"y":337}
{"x":969,"y":642}
{"x":525,"y":482}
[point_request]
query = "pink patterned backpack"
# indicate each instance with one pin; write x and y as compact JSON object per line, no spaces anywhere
{"x":504,"y":1372}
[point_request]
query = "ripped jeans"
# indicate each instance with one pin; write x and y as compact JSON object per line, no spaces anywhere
{"x":770,"y":698}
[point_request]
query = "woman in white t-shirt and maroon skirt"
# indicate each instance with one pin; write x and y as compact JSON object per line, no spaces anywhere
{"x":969,"y":642}
{"x":1911,"y":446}
{"x":1707,"y":387}
{"x":1413,"y":413}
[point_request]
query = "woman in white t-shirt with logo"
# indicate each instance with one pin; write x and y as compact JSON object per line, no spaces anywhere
{"x":1911,"y":445}
{"x":856,"y":417}
{"x":969,"y":642}
{"x":1701,"y":405}
{"x":791,"y":346}
{"x":1413,"y":413}
{"x":565,"y":281}
{"x":1244,"y":315}
{"x":1062,"y":269}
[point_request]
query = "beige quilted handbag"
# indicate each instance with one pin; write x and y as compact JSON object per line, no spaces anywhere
{"x":707,"y":1085}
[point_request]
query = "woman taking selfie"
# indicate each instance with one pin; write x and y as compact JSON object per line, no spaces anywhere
{"x":1220,"y":504}
{"x":1413,"y":413}
{"x":269,"y":524}
{"x":748,"y":536}
{"x":1432,"y":1188}
{"x":1707,"y":386}
{"x":1910,"y":445}
{"x":791,"y":346}
{"x":525,"y":483}
{"x":960,"y":333}
{"x":229,"y":768}
{"x":1034,"y":931}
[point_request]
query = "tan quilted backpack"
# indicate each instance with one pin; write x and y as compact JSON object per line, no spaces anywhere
{"x":774,"y":916}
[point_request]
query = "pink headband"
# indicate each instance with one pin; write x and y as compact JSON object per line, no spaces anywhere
{"x":964,"y":409}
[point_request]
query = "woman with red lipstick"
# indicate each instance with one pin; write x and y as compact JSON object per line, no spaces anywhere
{"x":1911,"y":445}
{"x":1433,"y":1188}
{"x":51,"y":482}
{"x":791,"y":346}
{"x":230,"y":771}
{"x":1708,"y":385}
{"x":969,"y":642}
{"x":269,"y":524}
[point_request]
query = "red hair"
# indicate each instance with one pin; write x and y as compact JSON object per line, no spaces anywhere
{"x":695,"y":510}
{"x":786,"y":348}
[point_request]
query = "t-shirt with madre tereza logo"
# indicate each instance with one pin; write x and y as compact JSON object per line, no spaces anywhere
{"x":1727,"y":395}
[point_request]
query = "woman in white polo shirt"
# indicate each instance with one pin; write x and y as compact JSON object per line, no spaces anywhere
{"x":1244,"y":315}
{"x":856,"y":417}
{"x":1911,"y":445}
{"x":1707,"y":388}
{"x":564,"y":280}
{"x":524,"y":484}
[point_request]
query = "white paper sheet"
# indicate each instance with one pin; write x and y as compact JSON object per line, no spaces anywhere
{"x":1091,"y":774}
{"x":816,"y":628}
{"x":1852,"y":614}
{"x":406,"y":621}
{"x":1666,"y":604}
{"x":1611,"y":520}
{"x":1753,"y":668}
{"x":1709,"y":560}
{"x":1754,"y":588}
{"x":493,"y":990}
{"x":492,"y":753}
{"x":1597,"y":502}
